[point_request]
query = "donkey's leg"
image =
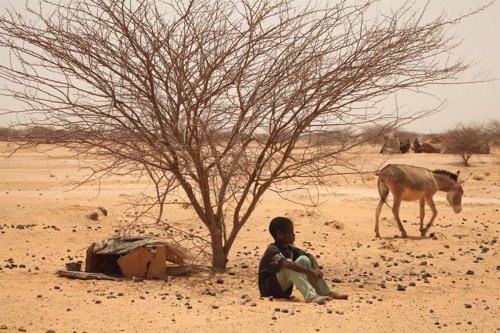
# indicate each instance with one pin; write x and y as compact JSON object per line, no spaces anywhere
{"x":395,"y":211}
{"x":384,"y":193}
{"x":377,"y":215}
{"x":422,"y":215}
{"x":431,"y":204}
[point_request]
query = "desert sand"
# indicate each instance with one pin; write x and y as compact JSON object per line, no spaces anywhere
{"x":449,"y":282}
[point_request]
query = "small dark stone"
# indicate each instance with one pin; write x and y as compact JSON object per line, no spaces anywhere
{"x":103,"y":210}
{"x":470,"y":272}
{"x":219,"y":281}
{"x":93,"y":216}
{"x":468,"y":306}
{"x":401,"y":287}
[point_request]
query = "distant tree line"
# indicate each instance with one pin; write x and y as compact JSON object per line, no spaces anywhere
{"x":474,"y":134}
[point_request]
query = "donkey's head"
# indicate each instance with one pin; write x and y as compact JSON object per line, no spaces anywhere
{"x":454,"y":196}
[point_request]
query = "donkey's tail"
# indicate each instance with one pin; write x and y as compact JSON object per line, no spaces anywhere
{"x":381,"y":186}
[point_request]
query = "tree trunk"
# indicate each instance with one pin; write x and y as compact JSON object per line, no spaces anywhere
{"x":219,"y":257}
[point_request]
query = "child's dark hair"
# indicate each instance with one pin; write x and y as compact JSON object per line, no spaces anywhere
{"x":279,"y":224}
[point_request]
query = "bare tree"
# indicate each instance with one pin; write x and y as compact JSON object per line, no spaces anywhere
{"x":492,"y":128}
{"x":466,"y":140}
{"x":219,"y":99}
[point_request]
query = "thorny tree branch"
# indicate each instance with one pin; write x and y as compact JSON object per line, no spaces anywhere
{"x":222,"y":99}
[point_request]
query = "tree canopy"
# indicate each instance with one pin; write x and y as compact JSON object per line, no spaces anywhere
{"x":220,"y":100}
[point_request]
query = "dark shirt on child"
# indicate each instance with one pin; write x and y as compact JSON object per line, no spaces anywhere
{"x":270,"y":264}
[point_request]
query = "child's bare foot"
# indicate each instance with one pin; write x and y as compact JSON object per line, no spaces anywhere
{"x":334,"y":295}
{"x":319,"y":299}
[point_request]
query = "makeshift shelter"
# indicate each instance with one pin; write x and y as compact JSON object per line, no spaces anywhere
{"x":434,"y":145}
{"x":391,"y":145}
{"x":138,"y":257}
{"x":442,"y":144}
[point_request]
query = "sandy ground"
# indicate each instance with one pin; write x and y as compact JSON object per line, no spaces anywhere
{"x":452,"y":280}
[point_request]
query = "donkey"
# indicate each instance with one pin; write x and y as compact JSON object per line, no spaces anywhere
{"x":410,"y":183}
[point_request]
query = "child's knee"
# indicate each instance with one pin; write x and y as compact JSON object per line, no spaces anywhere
{"x":304,"y":261}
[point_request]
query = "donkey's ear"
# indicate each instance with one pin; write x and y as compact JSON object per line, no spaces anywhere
{"x":464,"y":180}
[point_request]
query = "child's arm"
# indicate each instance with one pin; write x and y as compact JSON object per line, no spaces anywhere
{"x":315,"y":273}
{"x":296,"y":267}
{"x":314,"y":262}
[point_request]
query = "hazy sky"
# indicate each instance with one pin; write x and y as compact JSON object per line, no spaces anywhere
{"x":465,"y":103}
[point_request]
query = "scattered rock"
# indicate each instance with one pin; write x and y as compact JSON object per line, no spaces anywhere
{"x":93,"y":216}
{"x":401,"y":287}
{"x":103,"y":210}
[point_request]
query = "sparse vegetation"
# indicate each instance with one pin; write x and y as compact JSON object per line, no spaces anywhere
{"x":466,"y":140}
{"x":221,"y":101}
{"x":492,"y":129}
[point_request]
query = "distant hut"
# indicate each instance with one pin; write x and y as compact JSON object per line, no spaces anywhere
{"x":434,"y":145}
{"x":391,"y":145}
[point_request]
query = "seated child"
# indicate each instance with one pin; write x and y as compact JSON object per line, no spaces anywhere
{"x":283,"y":265}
